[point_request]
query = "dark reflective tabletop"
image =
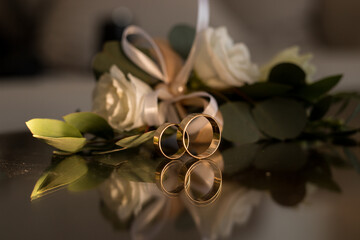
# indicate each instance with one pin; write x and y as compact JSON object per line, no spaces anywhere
{"x":291,"y":190}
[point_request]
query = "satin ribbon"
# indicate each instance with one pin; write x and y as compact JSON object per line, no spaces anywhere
{"x":170,"y":92}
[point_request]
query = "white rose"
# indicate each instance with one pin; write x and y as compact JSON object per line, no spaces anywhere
{"x":221,"y":63}
{"x":290,"y":55}
{"x":233,"y":207}
{"x":139,"y":204}
{"x":119,"y":101}
{"x":127,"y":198}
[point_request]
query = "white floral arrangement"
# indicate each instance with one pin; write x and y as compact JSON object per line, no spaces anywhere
{"x":199,"y":70}
{"x":268,"y":115}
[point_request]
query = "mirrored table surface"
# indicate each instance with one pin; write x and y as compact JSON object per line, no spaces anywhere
{"x":268,"y":191}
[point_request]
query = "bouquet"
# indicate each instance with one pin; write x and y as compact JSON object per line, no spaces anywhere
{"x":143,"y":82}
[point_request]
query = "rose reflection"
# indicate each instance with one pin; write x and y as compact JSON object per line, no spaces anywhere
{"x":144,"y":208}
{"x":233,"y":207}
{"x":136,"y":205}
{"x":132,"y":201}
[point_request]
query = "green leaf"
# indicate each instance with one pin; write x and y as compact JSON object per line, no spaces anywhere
{"x":96,"y":174}
{"x":280,"y":118}
{"x":181,"y":38}
{"x":320,"y":173}
{"x":324,"y":181}
{"x":88,"y":122}
{"x":239,"y":125}
{"x":319,"y":88}
{"x":284,"y":156}
{"x":265,"y":89}
{"x":320,"y":108}
{"x":67,"y":144}
{"x":289,"y":74}
{"x":67,"y":171}
{"x":343,"y":106}
{"x":52,"y":128}
{"x":136,"y":140}
{"x":113,"y":54}
{"x":36,"y":193}
{"x":239,"y":158}
{"x":139,"y":168}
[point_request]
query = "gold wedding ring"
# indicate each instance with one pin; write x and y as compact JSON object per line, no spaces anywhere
{"x":161,"y":170}
{"x":215,"y":142}
{"x":186,"y":170}
{"x":215,"y":190}
{"x":183,"y":139}
{"x":184,"y":180}
{"x":158,"y":141}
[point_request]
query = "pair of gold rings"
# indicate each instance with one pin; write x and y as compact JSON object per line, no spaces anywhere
{"x":183,"y":140}
{"x":187,"y":171}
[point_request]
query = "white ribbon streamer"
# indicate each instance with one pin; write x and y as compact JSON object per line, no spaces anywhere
{"x":155,"y":113}
{"x":139,"y":58}
{"x":202,"y":23}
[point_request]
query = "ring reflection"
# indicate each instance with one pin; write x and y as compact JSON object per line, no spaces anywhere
{"x":200,"y":179}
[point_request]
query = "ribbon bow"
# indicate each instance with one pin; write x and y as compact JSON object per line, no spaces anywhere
{"x":171,"y":91}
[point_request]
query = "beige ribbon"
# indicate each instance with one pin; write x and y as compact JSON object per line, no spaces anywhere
{"x":170,"y":92}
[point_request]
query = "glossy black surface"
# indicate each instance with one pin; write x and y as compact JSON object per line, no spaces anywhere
{"x":285,"y":192}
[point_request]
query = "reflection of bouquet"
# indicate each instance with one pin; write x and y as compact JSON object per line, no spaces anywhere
{"x":144,"y":82}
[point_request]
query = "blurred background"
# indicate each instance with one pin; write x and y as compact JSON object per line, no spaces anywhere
{"x":46,"y":46}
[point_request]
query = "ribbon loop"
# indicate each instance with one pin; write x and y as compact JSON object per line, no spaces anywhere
{"x":139,"y":58}
{"x":156,"y":113}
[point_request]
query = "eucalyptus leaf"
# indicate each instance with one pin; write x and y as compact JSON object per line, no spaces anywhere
{"x":265,"y":89}
{"x":320,"y":173}
{"x":67,"y":144}
{"x":181,"y":38}
{"x":134,"y":141}
{"x":138,"y":169}
{"x":281,"y":157}
{"x":65,"y":172}
{"x":95,"y":175}
{"x":239,"y":125}
{"x":319,"y":88}
{"x":289,"y":74}
{"x":88,"y":122}
{"x":113,"y":54}
{"x":280,"y":118}
{"x":52,"y":128}
{"x":239,"y":158}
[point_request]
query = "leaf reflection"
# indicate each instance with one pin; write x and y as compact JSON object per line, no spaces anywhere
{"x":65,"y":172}
{"x":131,"y":200}
{"x":283,"y":168}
